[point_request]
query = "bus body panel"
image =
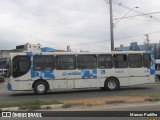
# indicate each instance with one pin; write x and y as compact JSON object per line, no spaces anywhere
{"x":81,"y":78}
{"x":136,"y":73}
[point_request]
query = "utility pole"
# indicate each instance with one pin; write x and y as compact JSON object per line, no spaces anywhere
{"x":111,"y":26}
{"x":68,"y":49}
{"x":147,"y":42}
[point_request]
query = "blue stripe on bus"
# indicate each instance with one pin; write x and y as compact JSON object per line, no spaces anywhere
{"x":86,"y":74}
{"x":103,"y":72}
{"x":152,"y":66}
{"x":49,"y":74}
{"x":29,"y":53}
{"x":9,"y":87}
{"x":42,"y":74}
{"x":152,"y":69}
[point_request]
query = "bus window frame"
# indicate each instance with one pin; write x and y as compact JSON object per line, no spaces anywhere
{"x":149,"y":62}
{"x":62,"y":65}
{"x":18,"y":73}
{"x":135,"y":62}
{"x":105,"y":61}
{"x":44,"y":63}
{"x":116,"y":62}
{"x":88,"y":63}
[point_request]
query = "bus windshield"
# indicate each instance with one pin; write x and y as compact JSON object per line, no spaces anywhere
{"x":20,"y":66}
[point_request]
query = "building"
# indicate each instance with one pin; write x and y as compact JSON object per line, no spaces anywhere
{"x":21,"y":48}
{"x":29,"y":47}
{"x":5,"y":54}
{"x":47,"y":49}
{"x":154,"y":48}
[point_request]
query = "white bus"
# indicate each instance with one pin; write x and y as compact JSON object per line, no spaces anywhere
{"x":50,"y":70}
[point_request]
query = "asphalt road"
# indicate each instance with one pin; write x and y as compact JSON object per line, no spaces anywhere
{"x":78,"y":93}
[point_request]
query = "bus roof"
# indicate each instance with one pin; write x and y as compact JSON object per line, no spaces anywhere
{"x":79,"y":53}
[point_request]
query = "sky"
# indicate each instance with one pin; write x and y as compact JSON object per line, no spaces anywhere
{"x":81,"y":24}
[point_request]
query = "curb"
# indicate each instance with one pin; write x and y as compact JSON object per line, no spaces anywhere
{"x":59,"y":106}
{"x":43,"y":107}
{"x":10,"y":109}
{"x":51,"y":106}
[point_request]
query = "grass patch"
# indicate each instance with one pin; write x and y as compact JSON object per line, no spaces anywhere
{"x":48,"y":107}
{"x":154,"y":95}
{"x":66,"y":105}
{"x":35,"y":107}
{"x":88,"y":104}
{"x":155,"y":99}
{"x":139,"y":94}
{"x":28,"y":104}
{"x":115,"y":102}
{"x":146,"y":95}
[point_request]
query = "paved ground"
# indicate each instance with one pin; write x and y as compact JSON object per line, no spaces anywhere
{"x":139,"y":106}
{"x":79,"y":94}
{"x":93,"y":94}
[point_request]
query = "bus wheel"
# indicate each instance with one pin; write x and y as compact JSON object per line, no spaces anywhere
{"x":111,"y":84}
{"x":40,"y":87}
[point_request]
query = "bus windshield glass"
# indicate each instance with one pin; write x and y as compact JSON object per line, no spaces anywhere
{"x":21,"y":65}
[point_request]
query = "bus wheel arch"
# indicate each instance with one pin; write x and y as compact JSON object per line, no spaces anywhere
{"x":111,"y":84}
{"x":40,"y":86}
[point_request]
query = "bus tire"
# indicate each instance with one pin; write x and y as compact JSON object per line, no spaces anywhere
{"x":40,"y":87}
{"x":111,"y":84}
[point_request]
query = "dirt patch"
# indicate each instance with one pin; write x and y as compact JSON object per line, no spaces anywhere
{"x":107,"y":100}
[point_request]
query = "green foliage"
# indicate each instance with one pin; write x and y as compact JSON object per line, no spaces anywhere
{"x":28,"y":103}
{"x":66,"y":105}
{"x":154,"y":99}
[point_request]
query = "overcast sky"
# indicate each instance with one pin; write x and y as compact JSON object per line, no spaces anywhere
{"x":82,"y":24}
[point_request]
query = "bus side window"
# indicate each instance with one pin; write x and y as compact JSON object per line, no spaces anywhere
{"x":87,"y":62}
{"x":120,"y":61}
{"x":146,"y":60}
{"x":43,"y":62}
{"x":64,"y":62}
{"x":105,"y":61}
{"x":135,"y":60}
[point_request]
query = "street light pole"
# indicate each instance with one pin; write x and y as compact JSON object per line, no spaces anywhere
{"x":111,"y":26}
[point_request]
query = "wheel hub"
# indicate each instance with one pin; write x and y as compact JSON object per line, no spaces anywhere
{"x":111,"y":84}
{"x":41,"y":88}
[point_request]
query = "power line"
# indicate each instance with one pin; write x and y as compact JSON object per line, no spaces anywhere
{"x":133,"y":36}
{"x":138,"y":15}
{"x":143,"y":19}
{"x":124,"y":16}
{"x":100,"y":41}
{"x":135,"y":11}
